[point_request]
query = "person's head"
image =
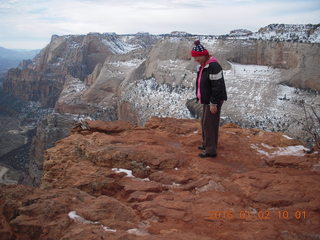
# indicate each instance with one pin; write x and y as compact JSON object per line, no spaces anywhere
{"x":199,"y":53}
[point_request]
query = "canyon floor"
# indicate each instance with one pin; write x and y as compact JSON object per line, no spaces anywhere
{"x":113,"y":180}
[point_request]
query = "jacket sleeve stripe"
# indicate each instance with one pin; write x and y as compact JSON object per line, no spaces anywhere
{"x":215,"y":76}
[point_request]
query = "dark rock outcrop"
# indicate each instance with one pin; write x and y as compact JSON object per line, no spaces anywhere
{"x":51,"y":129}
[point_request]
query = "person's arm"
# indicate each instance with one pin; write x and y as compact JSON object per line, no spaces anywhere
{"x":217,"y":86}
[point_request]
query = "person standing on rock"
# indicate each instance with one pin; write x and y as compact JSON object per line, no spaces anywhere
{"x":210,"y":92}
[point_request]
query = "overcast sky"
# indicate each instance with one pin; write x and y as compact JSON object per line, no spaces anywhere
{"x":29,"y":24}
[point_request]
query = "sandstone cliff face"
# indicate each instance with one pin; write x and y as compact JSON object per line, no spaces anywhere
{"x":76,"y":56}
{"x":103,"y":61}
{"x":98,"y":95}
{"x":114,"y":180}
{"x":306,"y":75}
{"x":29,"y":85}
{"x":299,"y":59}
{"x":169,"y":62}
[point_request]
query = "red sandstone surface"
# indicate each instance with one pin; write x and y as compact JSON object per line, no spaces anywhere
{"x":262,"y":185}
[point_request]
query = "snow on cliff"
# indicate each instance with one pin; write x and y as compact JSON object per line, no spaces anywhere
{"x":152,"y":99}
{"x":290,"y":32}
{"x":119,"y":47}
{"x":306,"y":33}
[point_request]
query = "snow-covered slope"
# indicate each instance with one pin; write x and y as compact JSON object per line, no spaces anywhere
{"x":119,"y":47}
{"x":290,"y":32}
{"x":149,"y":98}
{"x":255,"y":99}
{"x":304,"y":33}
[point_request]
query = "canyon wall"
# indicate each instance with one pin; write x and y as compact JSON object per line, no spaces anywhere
{"x":103,"y":75}
{"x":92,"y":60}
{"x":44,"y":78}
{"x":299,"y":59}
{"x":98,"y":64}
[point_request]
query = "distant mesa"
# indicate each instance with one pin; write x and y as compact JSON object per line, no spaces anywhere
{"x":302,"y":33}
{"x":281,"y":28}
{"x":143,"y":33}
{"x":180,"y":34}
{"x":240,"y":32}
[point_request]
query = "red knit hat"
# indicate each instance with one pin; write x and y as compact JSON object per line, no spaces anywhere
{"x":199,"y":50}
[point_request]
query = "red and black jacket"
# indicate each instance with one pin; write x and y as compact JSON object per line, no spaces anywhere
{"x":211,"y":88}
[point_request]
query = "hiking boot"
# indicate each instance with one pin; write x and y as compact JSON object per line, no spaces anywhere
{"x":207,"y":155}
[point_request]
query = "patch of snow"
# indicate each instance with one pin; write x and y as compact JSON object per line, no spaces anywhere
{"x":208,"y":40}
{"x":315,"y":36}
{"x":130,"y":63}
{"x":287,"y":137}
{"x":297,"y":150}
{"x":81,"y":118}
{"x":142,"y":227}
{"x":73,"y":86}
{"x":107,"y":229}
{"x":175,"y":39}
{"x":14,"y":131}
{"x":129,"y":173}
{"x":137,"y":232}
{"x":255,"y":147}
{"x":119,"y":47}
{"x":266,"y":146}
{"x":58,"y":62}
{"x":149,"y":98}
{"x":74,"y":44}
{"x":291,"y":151}
{"x":233,"y":133}
{"x":122,"y":170}
{"x":176,"y":184}
{"x":74,"y":216}
{"x":145,"y":179}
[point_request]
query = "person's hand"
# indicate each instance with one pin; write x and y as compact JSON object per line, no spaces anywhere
{"x":213,"y":108}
